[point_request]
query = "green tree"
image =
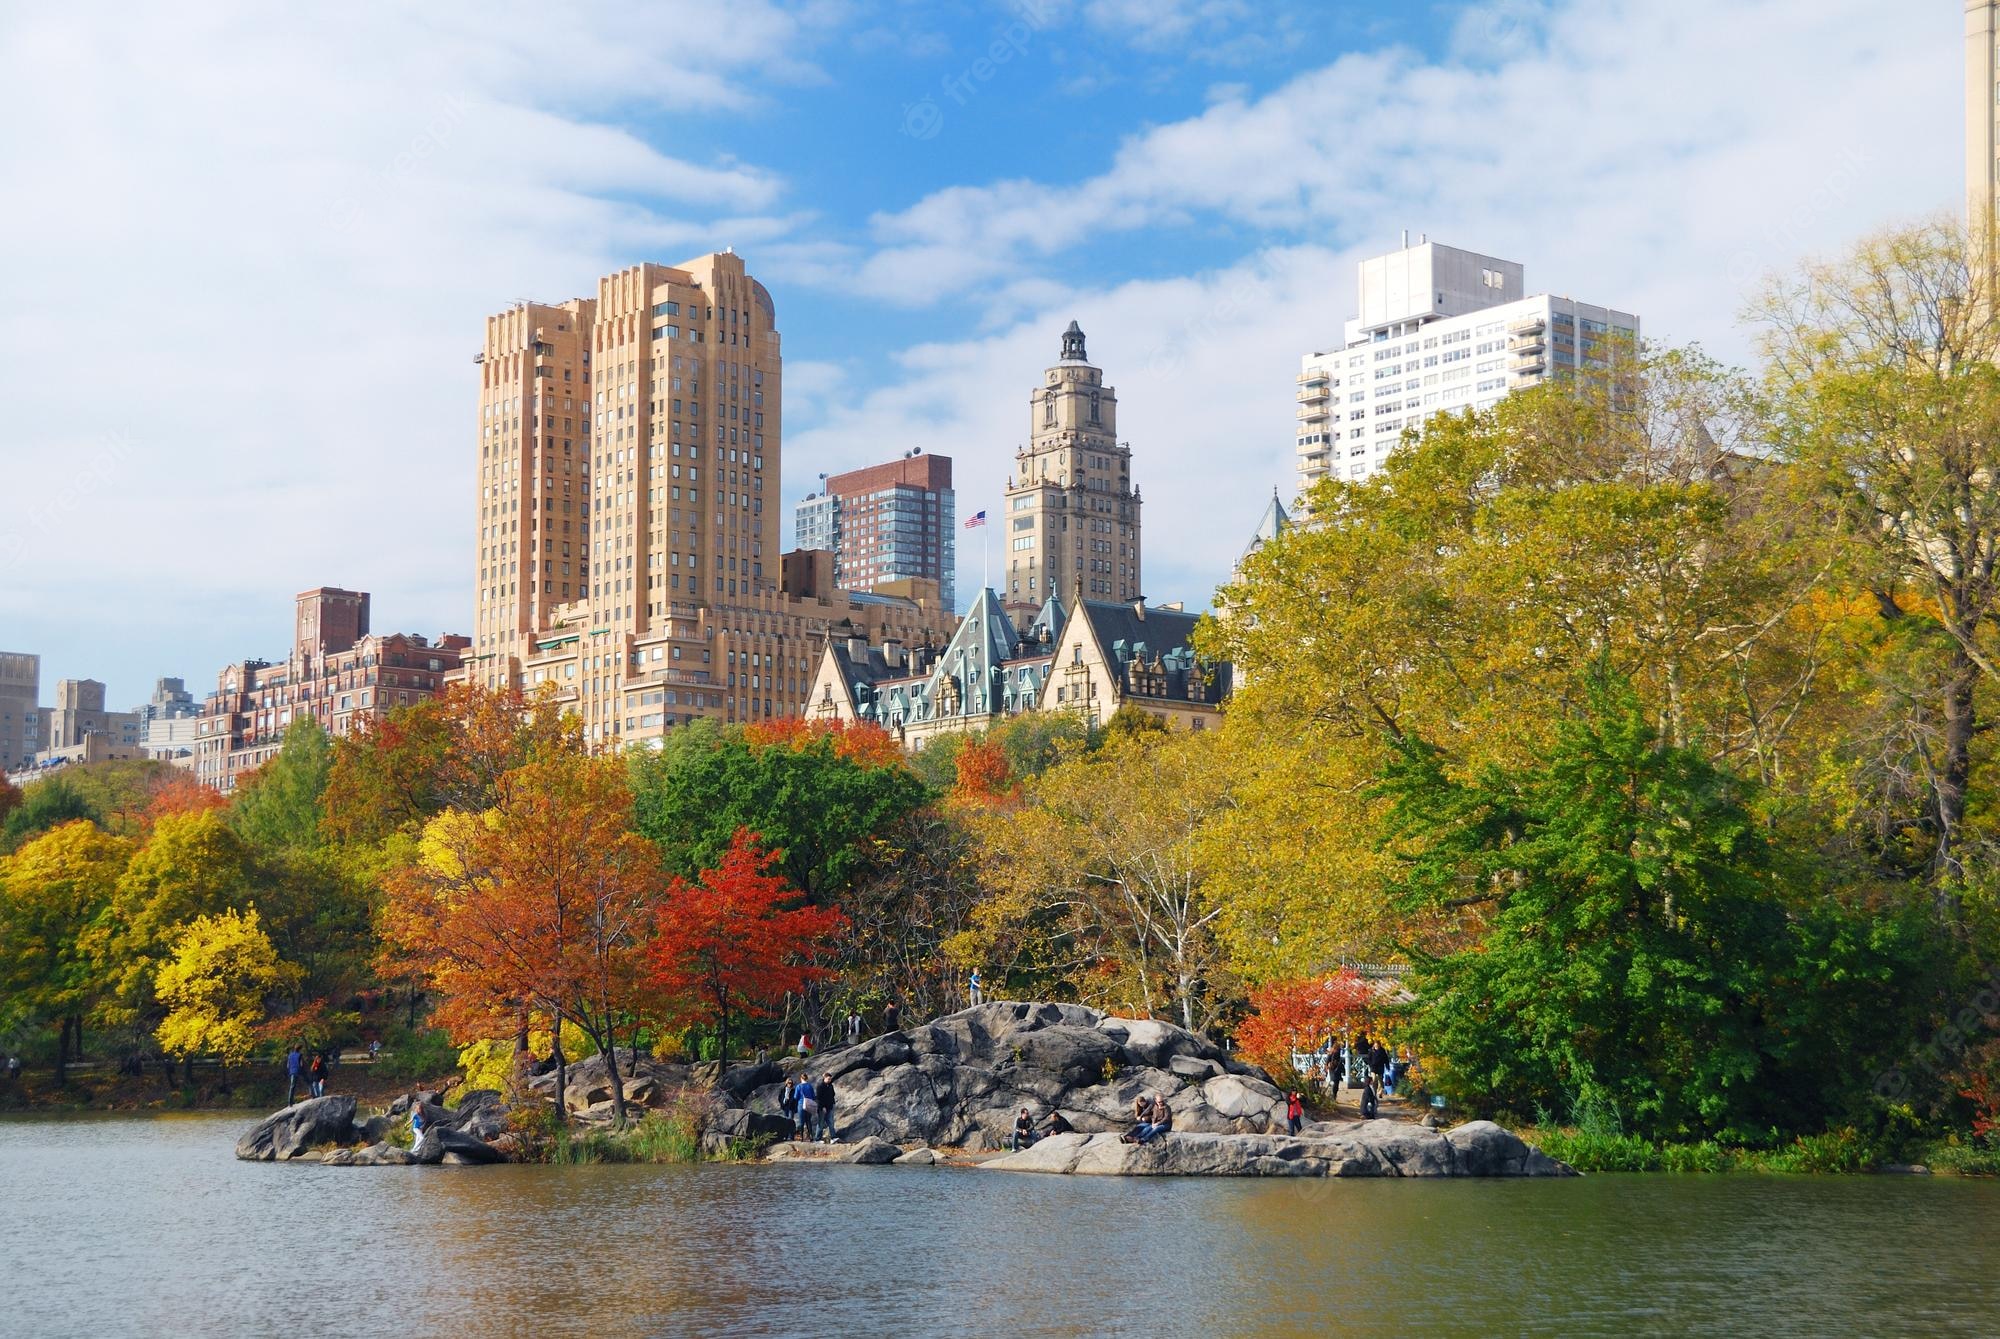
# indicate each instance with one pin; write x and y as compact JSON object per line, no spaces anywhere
{"x":45,"y":805}
{"x":279,"y":804}
{"x":52,"y":892}
{"x":1639,"y":956}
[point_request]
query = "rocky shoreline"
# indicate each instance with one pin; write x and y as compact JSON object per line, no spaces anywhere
{"x":947,"y":1092}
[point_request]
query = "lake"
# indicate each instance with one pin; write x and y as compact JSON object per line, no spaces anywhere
{"x":150,"y":1226}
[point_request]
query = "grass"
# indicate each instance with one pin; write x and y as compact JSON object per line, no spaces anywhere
{"x":1837,"y":1152}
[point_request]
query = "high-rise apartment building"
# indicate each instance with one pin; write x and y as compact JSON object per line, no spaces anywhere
{"x":1982,"y":111}
{"x":1071,"y":520}
{"x":886,"y":524}
{"x":1439,"y":329}
{"x":628,"y":514}
{"x":20,"y":709}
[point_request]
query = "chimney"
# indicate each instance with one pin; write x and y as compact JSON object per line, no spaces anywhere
{"x":892,"y":652}
{"x":857,"y":647}
{"x":1139,"y":607}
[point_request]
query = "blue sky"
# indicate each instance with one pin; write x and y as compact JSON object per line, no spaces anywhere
{"x":249,"y":249}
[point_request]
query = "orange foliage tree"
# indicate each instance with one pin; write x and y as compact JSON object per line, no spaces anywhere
{"x":726,"y":944}
{"x":863,"y":742}
{"x":982,"y":774}
{"x":537,"y":903}
{"x":176,"y":791}
{"x":1299,"y":1015}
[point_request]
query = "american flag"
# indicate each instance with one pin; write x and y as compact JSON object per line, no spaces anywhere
{"x":979,"y":519}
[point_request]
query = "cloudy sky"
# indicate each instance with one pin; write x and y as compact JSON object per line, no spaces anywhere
{"x":248,"y":248}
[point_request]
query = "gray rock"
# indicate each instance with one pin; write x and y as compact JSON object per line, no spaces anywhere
{"x":1370,"y":1148}
{"x":373,"y":1130}
{"x":917,"y":1157}
{"x":481,"y":1113}
{"x":869,"y":1153}
{"x":381,"y":1155}
{"x":286,"y":1134}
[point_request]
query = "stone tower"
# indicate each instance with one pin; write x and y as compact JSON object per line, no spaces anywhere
{"x":1071,"y":520}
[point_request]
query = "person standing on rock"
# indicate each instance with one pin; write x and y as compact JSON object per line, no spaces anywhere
{"x":823,"y":1098}
{"x":853,"y":1026}
{"x":318,"y":1074}
{"x":1295,"y":1112}
{"x":974,"y":993}
{"x":788,"y":1102}
{"x":889,"y":1012}
{"x":808,"y":1109}
{"x":294,"y":1062}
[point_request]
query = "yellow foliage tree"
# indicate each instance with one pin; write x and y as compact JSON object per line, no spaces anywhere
{"x":215,"y":985}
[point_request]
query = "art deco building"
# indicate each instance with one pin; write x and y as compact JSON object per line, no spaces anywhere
{"x":628,"y":511}
{"x":1071,"y":511}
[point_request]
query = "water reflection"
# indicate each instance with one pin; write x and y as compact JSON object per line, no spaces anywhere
{"x":123,"y":1226}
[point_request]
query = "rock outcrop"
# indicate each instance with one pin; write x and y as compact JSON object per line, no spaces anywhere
{"x":1368,"y":1148}
{"x":287,"y":1134}
{"x":961,"y":1079}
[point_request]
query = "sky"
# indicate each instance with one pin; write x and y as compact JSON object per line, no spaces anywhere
{"x":247,"y":250}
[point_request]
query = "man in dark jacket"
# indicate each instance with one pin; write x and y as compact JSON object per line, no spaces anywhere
{"x":823,"y":1093}
{"x":294,"y":1062}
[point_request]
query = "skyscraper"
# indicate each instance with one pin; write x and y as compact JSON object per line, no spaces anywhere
{"x":1982,"y":110}
{"x":886,"y":524}
{"x":628,"y":508}
{"x":1071,"y":521}
{"x":1439,"y":329}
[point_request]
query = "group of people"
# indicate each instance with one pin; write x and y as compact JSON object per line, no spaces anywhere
{"x":313,"y":1071}
{"x":809,"y":1106}
{"x":1151,"y":1118}
{"x":1025,"y":1132}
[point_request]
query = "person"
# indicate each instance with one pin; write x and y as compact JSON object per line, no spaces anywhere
{"x":416,"y":1123}
{"x":788,"y":1102}
{"x":853,"y":1027}
{"x":13,"y":1069}
{"x":823,"y":1096}
{"x":805,"y":1044}
{"x":974,"y":994}
{"x":318,"y":1074}
{"x":1162,"y":1119}
{"x":809,"y":1110}
{"x":1142,"y":1117}
{"x":1389,"y":1074}
{"x":1024,"y":1131}
{"x":889,"y":1013}
{"x":294,"y":1062}
{"x":374,"y":1049}
{"x":1057,"y":1123}
{"x":1369,"y":1102}
{"x":1378,"y":1063}
{"x":1295,"y":1112}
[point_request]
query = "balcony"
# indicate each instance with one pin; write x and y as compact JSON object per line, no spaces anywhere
{"x":1526,"y":344}
{"x":1316,"y":389}
{"x":686,"y":677}
{"x":1529,"y":367}
{"x":1527,"y":325}
{"x":1310,"y":414}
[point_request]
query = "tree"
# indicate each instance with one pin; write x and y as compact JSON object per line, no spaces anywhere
{"x":214,"y":987}
{"x":726,"y":945}
{"x":1884,"y":361}
{"x":279,"y":804}
{"x":815,"y":805}
{"x":538,"y":903}
{"x":1638,"y":954}
{"x":1301,"y":1014}
{"x":45,"y":805}
{"x":176,"y":791}
{"x":52,"y":891}
{"x":1100,"y":860}
{"x":10,"y":799}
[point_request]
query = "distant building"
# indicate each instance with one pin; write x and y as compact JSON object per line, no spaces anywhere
{"x":338,"y":672}
{"x":1071,"y":514}
{"x":1439,"y":329}
{"x":20,"y":709}
{"x":1089,"y":660}
{"x":886,"y":523}
{"x":169,"y":721}
{"x":1982,"y":111}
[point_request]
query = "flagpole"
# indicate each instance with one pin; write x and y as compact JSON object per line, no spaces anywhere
{"x":985,"y":559}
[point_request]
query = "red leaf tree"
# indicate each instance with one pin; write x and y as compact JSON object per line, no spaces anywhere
{"x":1298,"y":1015}
{"x":726,"y":945}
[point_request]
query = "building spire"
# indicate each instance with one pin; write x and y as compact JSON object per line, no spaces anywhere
{"x":1072,"y":344}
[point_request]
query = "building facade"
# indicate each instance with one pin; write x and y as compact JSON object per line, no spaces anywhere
{"x":169,"y":722}
{"x":1982,"y":111}
{"x":886,"y":524}
{"x":1071,"y":513}
{"x":1439,"y":330}
{"x":20,"y":709}
{"x":1089,"y":659}
{"x":337,"y":672}
{"x":628,"y":511}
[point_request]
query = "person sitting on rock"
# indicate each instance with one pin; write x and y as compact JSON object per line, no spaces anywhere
{"x":1057,"y":1123}
{"x":1024,"y":1131}
{"x":1163,"y":1117}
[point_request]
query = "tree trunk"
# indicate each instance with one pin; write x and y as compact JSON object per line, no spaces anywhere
{"x":1954,"y":771}
{"x":722,"y":1040}
{"x":62,"y":1053}
{"x":415,"y":995}
{"x":617,"y":1084}
{"x":562,"y":1075}
{"x":76,"y":1036}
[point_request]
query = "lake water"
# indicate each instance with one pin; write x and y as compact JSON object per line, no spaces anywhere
{"x":150,"y":1226}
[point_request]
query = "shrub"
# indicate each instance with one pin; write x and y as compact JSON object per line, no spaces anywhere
{"x":1598,"y":1152}
{"x":423,"y":1054}
{"x":1842,"y":1150}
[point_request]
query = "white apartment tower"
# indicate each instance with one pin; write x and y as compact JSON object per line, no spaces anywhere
{"x":1982,"y":109}
{"x":1439,"y":329}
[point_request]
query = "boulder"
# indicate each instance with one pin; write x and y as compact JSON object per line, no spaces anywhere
{"x":481,"y":1113}
{"x":286,"y":1134}
{"x":1370,"y":1148}
{"x":381,"y":1155}
{"x":869,"y":1153}
{"x":917,"y":1157}
{"x":373,"y":1130}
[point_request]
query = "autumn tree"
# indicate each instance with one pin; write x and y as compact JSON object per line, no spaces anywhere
{"x":538,"y":903}
{"x":727,"y":945}
{"x":1300,"y":1015}
{"x":214,"y":986}
{"x":44,"y":805}
{"x":52,"y":891}
{"x":178,"y":792}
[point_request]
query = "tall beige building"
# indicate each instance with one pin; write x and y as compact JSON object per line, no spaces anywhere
{"x":1071,"y":521}
{"x":1982,"y":109}
{"x":629,"y":509}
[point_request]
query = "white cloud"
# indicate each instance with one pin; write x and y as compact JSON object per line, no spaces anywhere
{"x":250,"y":250}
